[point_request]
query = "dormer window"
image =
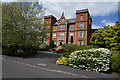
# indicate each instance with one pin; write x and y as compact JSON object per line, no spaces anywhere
{"x":62,"y":20}
{"x":81,"y":17}
{"x":47,"y":22}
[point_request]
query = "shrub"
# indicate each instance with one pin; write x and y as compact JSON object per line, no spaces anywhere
{"x":9,"y":49}
{"x":74,"y":47}
{"x":66,"y":54}
{"x":62,"y":61}
{"x":27,"y":49}
{"x":51,"y":44}
{"x":43,"y":46}
{"x":97,"y":60}
{"x":69,"y":47}
{"x":115,"y":61}
{"x":60,"y":47}
{"x":108,"y":37}
{"x":85,"y":47}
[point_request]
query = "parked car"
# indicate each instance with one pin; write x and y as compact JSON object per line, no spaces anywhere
{"x":61,"y":50}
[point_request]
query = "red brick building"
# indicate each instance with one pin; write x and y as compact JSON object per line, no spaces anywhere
{"x":63,"y":29}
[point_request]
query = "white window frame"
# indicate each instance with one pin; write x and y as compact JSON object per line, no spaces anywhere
{"x":62,"y":27}
{"x":71,"y":35}
{"x":71,"y":26}
{"x":79,"y":34}
{"x":81,"y":17}
{"x":54,"y":35}
{"x":81,"y":25}
{"x":80,"y":42}
{"x":61,"y":35}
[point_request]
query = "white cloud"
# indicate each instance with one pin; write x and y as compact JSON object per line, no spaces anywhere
{"x":108,"y":23}
{"x":95,"y":8}
{"x":95,"y":26}
{"x":19,"y":0}
{"x":9,"y":0}
{"x":82,"y":0}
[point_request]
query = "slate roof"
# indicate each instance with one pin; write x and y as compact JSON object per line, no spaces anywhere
{"x":56,"y":23}
{"x":73,"y":20}
{"x":49,"y":16}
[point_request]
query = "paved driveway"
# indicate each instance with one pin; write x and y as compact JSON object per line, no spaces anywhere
{"x":43,"y":65}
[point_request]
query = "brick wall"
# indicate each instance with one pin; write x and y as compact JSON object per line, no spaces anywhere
{"x":86,"y":20}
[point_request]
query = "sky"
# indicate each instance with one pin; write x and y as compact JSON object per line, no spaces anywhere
{"x":103,"y":13}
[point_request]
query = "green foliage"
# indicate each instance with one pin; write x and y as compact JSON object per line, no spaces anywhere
{"x":43,"y":46}
{"x":66,"y":54}
{"x":21,"y":25}
{"x":109,"y":37}
{"x":115,"y":61}
{"x":69,"y":47}
{"x":85,"y":47}
{"x":27,"y":48}
{"x":51,"y":44}
{"x":74,"y":47}
{"x":60,"y":47}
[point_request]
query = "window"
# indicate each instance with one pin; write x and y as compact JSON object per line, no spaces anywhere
{"x":54,"y":42}
{"x":54,"y":35}
{"x":71,"y":34}
{"x":80,"y":25}
{"x":45,"y":41}
{"x":69,"y":42}
{"x":71,"y":27}
{"x":61,"y":34}
{"x":80,"y":34}
{"x":81,"y":17}
{"x":62,"y":20}
{"x":47,"y":22}
{"x":54,"y":28}
{"x":47,"y":28}
{"x":80,"y":42}
{"x":62,"y":27}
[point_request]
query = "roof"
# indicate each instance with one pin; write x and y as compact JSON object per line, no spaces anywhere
{"x":49,"y":16}
{"x":73,"y":20}
{"x":81,"y":11}
{"x":56,"y":23}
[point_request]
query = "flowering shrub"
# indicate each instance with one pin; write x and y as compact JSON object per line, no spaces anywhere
{"x":97,"y":60}
{"x":62,"y":60}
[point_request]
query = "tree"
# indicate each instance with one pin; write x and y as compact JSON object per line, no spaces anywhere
{"x":21,"y":23}
{"x":108,"y":37}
